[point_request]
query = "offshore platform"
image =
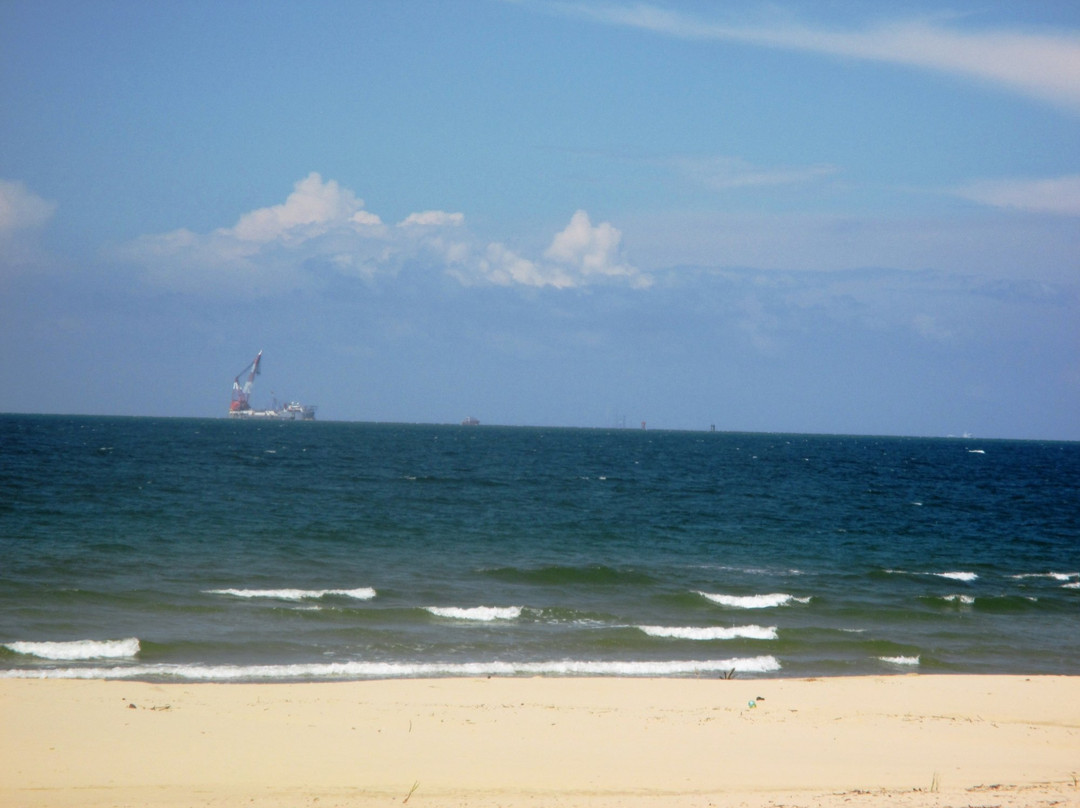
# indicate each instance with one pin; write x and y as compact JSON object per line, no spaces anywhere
{"x":240,"y":407}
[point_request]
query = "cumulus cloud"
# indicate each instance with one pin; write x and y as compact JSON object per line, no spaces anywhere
{"x":22,"y":209}
{"x":1039,"y":65}
{"x":269,"y":250}
{"x":592,"y":251}
{"x":312,"y":208}
{"x":323,"y":228}
{"x":1058,"y":195}
{"x":579,"y":255}
{"x":506,"y":268}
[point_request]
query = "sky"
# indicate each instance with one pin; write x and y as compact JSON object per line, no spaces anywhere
{"x":842,"y":216}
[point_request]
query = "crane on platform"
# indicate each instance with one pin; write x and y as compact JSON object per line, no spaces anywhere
{"x":240,"y":406}
{"x":241,"y":395}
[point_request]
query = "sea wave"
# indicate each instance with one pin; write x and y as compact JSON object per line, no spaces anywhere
{"x":482,"y":613}
{"x":753,"y":601}
{"x":1056,"y":576}
{"x":363,"y":593}
{"x":958,"y":575}
{"x":900,"y":660}
{"x":965,"y":600}
{"x":712,"y":632}
{"x":407,"y":670}
{"x":78,"y":649}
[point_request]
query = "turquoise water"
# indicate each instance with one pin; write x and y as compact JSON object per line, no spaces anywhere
{"x":224,"y":550}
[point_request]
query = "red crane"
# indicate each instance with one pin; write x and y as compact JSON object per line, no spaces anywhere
{"x":242,"y":394}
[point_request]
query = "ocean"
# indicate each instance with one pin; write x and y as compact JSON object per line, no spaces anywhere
{"x":227,"y":550}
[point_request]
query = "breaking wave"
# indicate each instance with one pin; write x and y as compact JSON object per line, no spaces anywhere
{"x":753,"y":601}
{"x":712,"y":632}
{"x":77,"y":649}
{"x":904,"y":661}
{"x":363,"y":593}
{"x":958,"y":575}
{"x":406,"y":670}
{"x":482,"y":613}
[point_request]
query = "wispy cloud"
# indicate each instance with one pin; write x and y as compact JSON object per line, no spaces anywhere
{"x":23,"y":214}
{"x":21,"y":208}
{"x":324,"y":228}
{"x":434,"y":218}
{"x":722,"y":173}
{"x":1058,"y":195}
{"x":1039,"y":65}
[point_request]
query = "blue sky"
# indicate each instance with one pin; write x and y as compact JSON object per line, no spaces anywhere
{"x":846,"y":217}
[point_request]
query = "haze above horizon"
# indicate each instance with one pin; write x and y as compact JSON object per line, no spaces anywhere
{"x":841,"y":218}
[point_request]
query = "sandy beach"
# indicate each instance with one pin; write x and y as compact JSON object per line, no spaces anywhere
{"x":897,"y":740}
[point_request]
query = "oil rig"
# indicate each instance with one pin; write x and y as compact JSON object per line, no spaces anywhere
{"x":240,"y":407}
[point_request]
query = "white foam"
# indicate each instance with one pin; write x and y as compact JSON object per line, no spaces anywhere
{"x":900,"y":660}
{"x":754,"y":601}
{"x":78,"y":649}
{"x":407,"y":670}
{"x":1057,"y":576}
{"x":1073,"y":585}
{"x":483,"y":613}
{"x":957,"y":576}
{"x":967,"y":600}
{"x":364,"y":593}
{"x":712,"y":632}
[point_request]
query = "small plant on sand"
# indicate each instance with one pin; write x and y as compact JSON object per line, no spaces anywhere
{"x":730,"y":674}
{"x":412,"y":791}
{"x":934,"y":784}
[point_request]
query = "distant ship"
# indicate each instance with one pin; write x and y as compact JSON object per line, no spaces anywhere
{"x":240,"y":407}
{"x":470,"y":421}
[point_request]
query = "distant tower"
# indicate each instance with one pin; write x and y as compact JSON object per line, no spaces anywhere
{"x":642,"y":424}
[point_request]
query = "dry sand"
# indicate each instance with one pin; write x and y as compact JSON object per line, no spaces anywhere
{"x":860,"y":741}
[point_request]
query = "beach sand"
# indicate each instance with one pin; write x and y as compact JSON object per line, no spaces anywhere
{"x":594,"y":742}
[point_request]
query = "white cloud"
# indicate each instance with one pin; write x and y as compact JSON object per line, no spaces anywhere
{"x":592,"y":252}
{"x":506,"y":268}
{"x":22,"y":209}
{"x":579,"y":255}
{"x":434,"y":218}
{"x":267,"y":250}
{"x":323,"y":228}
{"x":312,"y":208}
{"x":1043,"y":66}
{"x":1058,"y":195}
{"x":366,"y":219}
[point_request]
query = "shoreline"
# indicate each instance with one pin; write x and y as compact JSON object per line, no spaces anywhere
{"x":900,"y":739}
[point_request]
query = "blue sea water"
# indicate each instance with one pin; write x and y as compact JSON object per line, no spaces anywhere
{"x":176,"y":549}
